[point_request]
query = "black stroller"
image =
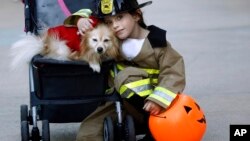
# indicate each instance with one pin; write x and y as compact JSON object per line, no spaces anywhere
{"x":65,"y":91}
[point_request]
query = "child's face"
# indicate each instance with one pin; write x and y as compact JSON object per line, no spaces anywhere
{"x":122,"y":24}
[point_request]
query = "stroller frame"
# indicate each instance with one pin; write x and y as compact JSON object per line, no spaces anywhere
{"x":44,"y":103}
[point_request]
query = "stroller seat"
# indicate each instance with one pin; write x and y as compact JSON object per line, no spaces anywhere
{"x":65,"y":89}
{"x":62,"y":92}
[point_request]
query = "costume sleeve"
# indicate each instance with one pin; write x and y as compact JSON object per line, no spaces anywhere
{"x":72,"y":19}
{"x":171,"y":79}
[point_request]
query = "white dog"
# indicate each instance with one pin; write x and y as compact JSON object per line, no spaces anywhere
{"x":63,"y":43}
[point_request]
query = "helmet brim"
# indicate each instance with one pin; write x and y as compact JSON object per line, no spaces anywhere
{"x":144,"y":4}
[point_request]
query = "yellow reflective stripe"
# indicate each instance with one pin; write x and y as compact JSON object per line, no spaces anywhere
{"x":142,"y":91}
{"x":119,"y":67}
{"x":166,"y":96}
{"x":130,"y":94}
{"x":140,"y":87}
{"x":122,"y":89}
{"x":163,"y":95}
{"x":166,"y":91}
{"x":159,"y":98}
{"x":149,"y":71}
{"x":145,"y":93}
{"x":138,"y":83}
{"x":112,"y":73}
{"x":125,"y":92}
{"x":152,"y":71}
{"x":154,"y":80}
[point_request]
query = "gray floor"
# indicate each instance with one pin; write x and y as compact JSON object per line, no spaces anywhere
{"x":213,"y":37}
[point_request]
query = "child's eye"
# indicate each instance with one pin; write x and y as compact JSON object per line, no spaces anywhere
{"x":119,"y":17}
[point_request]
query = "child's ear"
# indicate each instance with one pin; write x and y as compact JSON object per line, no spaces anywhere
{"x":137,"y":15}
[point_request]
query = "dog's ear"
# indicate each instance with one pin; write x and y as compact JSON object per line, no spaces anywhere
{"x":84,"y":45}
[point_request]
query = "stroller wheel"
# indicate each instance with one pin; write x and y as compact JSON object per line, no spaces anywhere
{"x":25,"y":131}
{"x":108,"y":131}
{"x":24,"y":112}
{"x":45,"y":130}
{"x":129,"y":129}
{"x":35,"y":134}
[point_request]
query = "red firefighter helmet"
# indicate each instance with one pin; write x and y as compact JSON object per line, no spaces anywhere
{"x":184,"y":120}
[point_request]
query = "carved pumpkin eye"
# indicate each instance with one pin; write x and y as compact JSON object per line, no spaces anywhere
{"x":187,"y":109}
{"x":197,"y":106}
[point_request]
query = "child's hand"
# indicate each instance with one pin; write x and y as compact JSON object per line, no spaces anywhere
{"x":84,"y":24}
{"x":153,"y":108}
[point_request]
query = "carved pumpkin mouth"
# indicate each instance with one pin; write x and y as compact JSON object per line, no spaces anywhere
{"x":188,"y":109}
{"x":202,"y":120}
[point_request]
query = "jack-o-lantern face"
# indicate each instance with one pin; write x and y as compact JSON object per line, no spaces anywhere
{"x":184,"y":120}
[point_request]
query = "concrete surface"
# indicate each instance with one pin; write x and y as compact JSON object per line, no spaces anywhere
{"x":213,"y":37}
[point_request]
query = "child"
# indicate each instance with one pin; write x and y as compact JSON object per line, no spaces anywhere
{"x":152,"y":72}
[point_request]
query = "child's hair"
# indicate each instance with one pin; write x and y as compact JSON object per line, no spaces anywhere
{"x":139,"y":13}
{"x":134,"y":12}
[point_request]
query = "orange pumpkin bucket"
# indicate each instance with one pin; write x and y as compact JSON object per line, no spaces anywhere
{"x":184,"y":120}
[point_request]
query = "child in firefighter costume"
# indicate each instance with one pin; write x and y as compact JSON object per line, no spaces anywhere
{"x":151,"y":72}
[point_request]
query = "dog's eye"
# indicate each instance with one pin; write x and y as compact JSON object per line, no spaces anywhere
{"x":108,"y":22}
{"x":106,"y":40}
{"x":95,"y":40}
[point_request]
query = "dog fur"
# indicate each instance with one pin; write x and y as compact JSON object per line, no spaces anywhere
{"x":96,"y":45}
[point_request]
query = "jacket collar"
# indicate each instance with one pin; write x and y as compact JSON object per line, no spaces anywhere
{"x":157,"y":36}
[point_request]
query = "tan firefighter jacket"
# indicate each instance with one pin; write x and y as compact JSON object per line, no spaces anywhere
{"x":156,"y":73}
{"x":160,"y":67}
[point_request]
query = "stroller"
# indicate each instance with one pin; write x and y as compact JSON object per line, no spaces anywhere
{"x":65,"y":91}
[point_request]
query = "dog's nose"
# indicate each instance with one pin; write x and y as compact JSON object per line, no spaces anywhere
{"x":99,"y":49}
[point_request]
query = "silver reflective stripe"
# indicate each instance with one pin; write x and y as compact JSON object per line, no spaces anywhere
{"x":142,"y":88}
{"x":163,"y":95}
{"x":126,"y":93}
{"x":136,"y":90}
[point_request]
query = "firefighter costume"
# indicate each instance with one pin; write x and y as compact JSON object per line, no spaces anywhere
{"x":155,"y":72}
{"x":161,"y":67}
